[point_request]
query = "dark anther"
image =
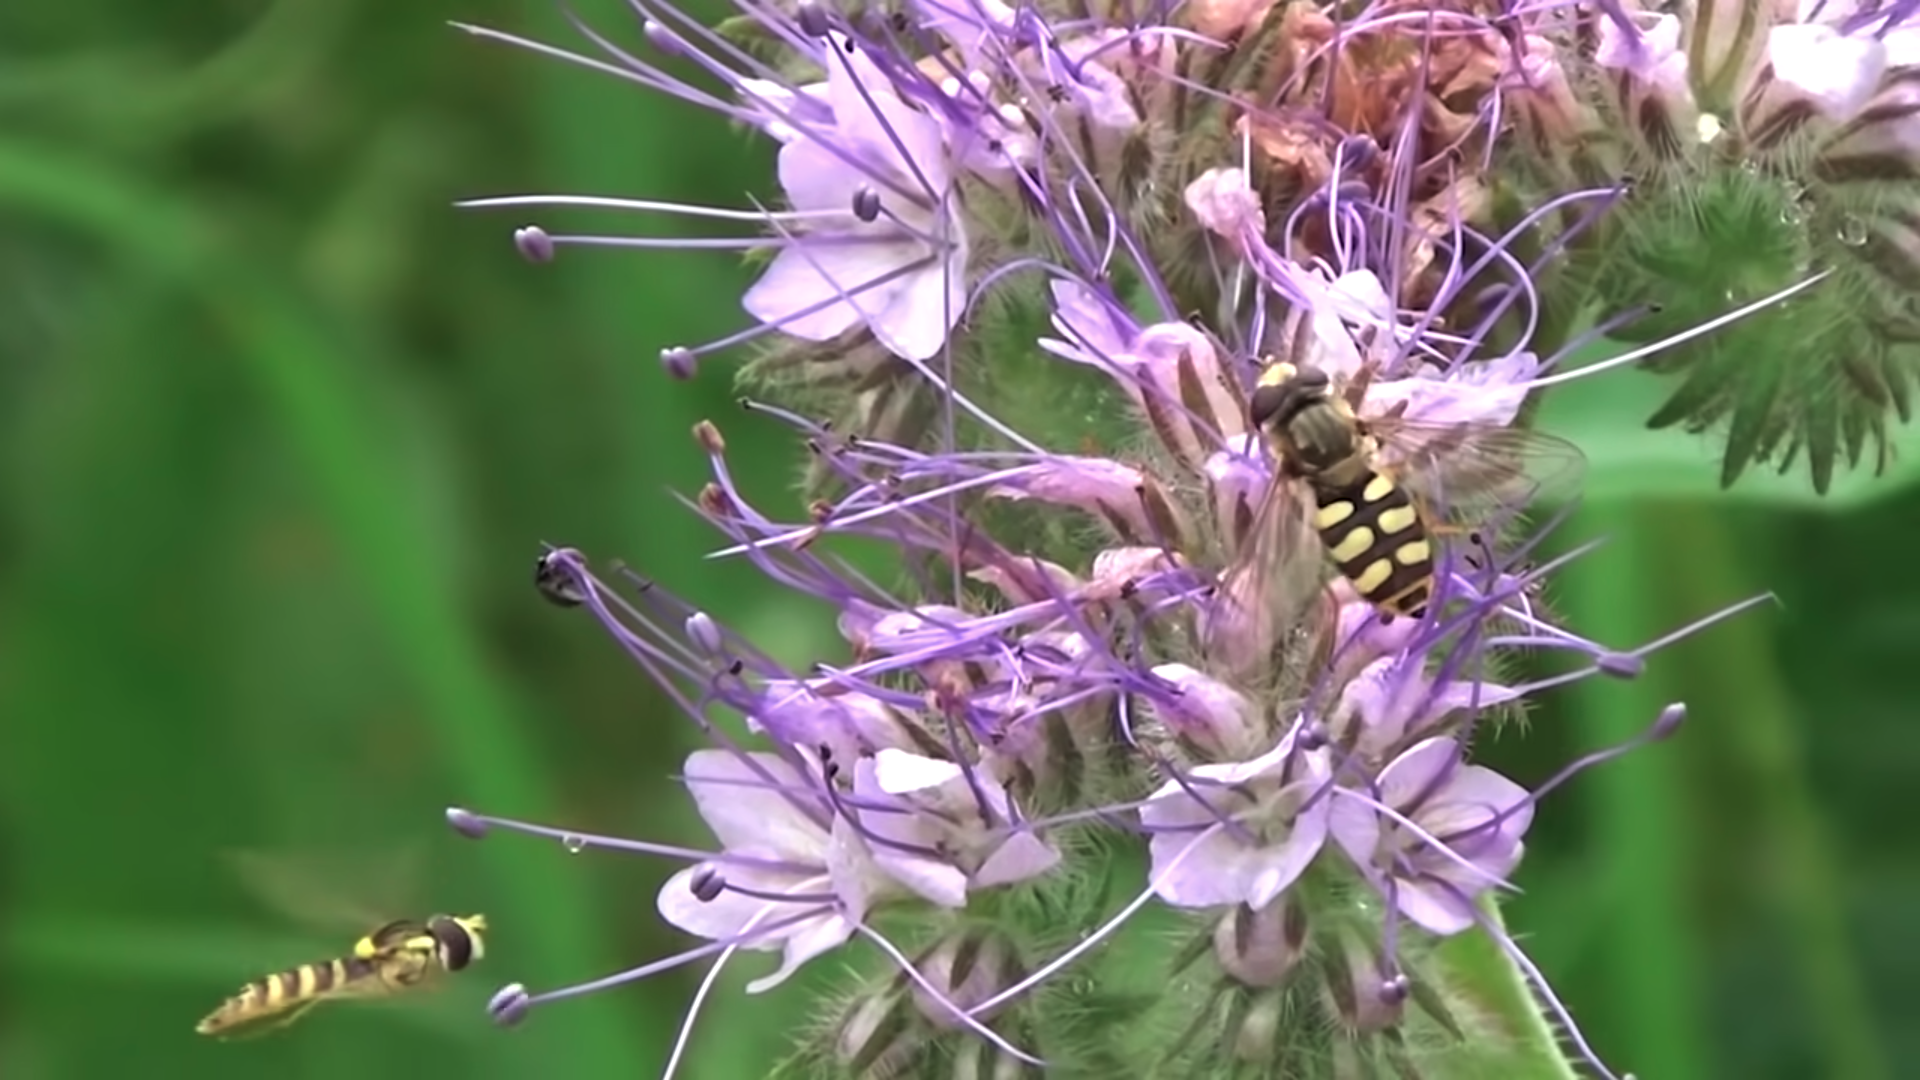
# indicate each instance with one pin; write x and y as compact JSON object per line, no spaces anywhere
{"x":510,"y":1005}
{"x":465,"y":823}
{"x":707,"y":883}
{"x":866,"y":203}
{"x":679,"y":362}
{"x":555,"y":583}
{"x":814,"y":18}
{"x":534,"y":244}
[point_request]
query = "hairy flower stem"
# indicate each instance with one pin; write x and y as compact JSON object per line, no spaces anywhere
{"x":1507,"y":1033}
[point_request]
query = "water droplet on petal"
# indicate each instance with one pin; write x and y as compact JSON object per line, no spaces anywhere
{"x":1852,"y":231}
{"x":574,"y":844}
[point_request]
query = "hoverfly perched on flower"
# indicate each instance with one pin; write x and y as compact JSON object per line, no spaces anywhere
{"x":1386,"y":490}
{"x":398,"y":956}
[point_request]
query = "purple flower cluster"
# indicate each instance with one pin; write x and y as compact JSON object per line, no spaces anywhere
{"x":1100,"y":641}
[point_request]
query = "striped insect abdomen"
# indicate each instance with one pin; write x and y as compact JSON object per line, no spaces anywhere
{"x":1378,"y":541}
{"x":272,"y":997}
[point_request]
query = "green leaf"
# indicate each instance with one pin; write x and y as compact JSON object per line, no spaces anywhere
{"x":1606,"y":416}
{"x":1486,"y":993}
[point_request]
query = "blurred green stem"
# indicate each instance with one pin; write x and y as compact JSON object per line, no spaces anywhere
{"x":301,"y":374}
{"x":1653,"y":969}
{"x":1763,"y":744}
{"x":1484,"y":986}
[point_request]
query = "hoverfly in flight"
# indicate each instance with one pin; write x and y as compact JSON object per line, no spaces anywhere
{"x":398,"y":957}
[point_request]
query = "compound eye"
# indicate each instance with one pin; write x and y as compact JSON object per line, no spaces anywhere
{"x":1266,"y":403}
{"x":452,"y":941}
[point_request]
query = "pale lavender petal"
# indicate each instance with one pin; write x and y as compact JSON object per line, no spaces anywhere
{"x":1089,"y":334}
{"x":1087,"y":483}
{"x":831,"y":276}
{"x":1836,"y":72}
{"x":1434,"y":907}
{"x":871,"y":116}
{"x":1475,"y":794}
{"x":732,"y":914}
{"x":922,"y":307}
{"x":805,"y":941}
{"x":1413,"y":773}
{"x":1286,"y":862}
{"x":816,"y":180}
{"x":856,"y":875}
{"x":744,"y":812}
{"x":897,"y":772}
{"x":1022,"y":857}
{"x":1355,"y":827}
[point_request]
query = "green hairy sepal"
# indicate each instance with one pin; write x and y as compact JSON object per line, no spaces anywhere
{"x":1820,"y":377}
{"x":1156,"y":1001}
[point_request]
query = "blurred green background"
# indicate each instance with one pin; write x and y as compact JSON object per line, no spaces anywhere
{"x":282,"y":431}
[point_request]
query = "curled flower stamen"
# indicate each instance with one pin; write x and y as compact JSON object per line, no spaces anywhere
{"x":967,"y":1017}
{"x":1663,"y":726}
{"x":1674,"y":340}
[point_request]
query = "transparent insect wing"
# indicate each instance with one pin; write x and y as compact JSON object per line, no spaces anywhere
{"x":1278,"y":563}
{"x":332,"y":892}
{"x":1468,"y":473}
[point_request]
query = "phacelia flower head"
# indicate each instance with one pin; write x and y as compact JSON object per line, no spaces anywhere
{"x":1037,"y":270}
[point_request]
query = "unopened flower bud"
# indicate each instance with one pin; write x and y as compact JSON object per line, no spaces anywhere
{"x":1219,"y":721}
{"x":1262,"y":1023}
{"x":966,"y":969}
{"x":976,"y":1059}
{"x":875,"y":1036}
{"x":1260,"y":948}
{"x":1365,"y":993}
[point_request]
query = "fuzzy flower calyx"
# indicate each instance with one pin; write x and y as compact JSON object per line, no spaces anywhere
{"x":1770,"y":144}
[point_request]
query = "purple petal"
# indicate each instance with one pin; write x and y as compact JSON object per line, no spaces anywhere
{"x":877,"y":124}
{"x":1355,"y":827}
{"x":805,"y":941}
{"x":744,"y":812}
{"x":732,"y":914}
{"x":924,"y":306}
{"x":1093,"y":484}
{"x":832,"y":277}
{"x":1434,"y":907}
{"x":1414,"y":772}
{"x":1474,"y":794}
{"x":1022,"y":857}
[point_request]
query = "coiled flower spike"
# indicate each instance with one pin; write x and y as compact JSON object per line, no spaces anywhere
{"x":1031,"y":266}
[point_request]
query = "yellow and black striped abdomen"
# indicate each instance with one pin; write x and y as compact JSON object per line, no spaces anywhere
{"x":266,"y":1003}
{"x":1378,"y":541}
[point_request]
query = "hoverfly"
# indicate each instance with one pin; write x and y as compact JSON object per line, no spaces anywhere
{"x":1379,"y":485}
{"x":399,"y":956}
{"x":555,"y":584}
